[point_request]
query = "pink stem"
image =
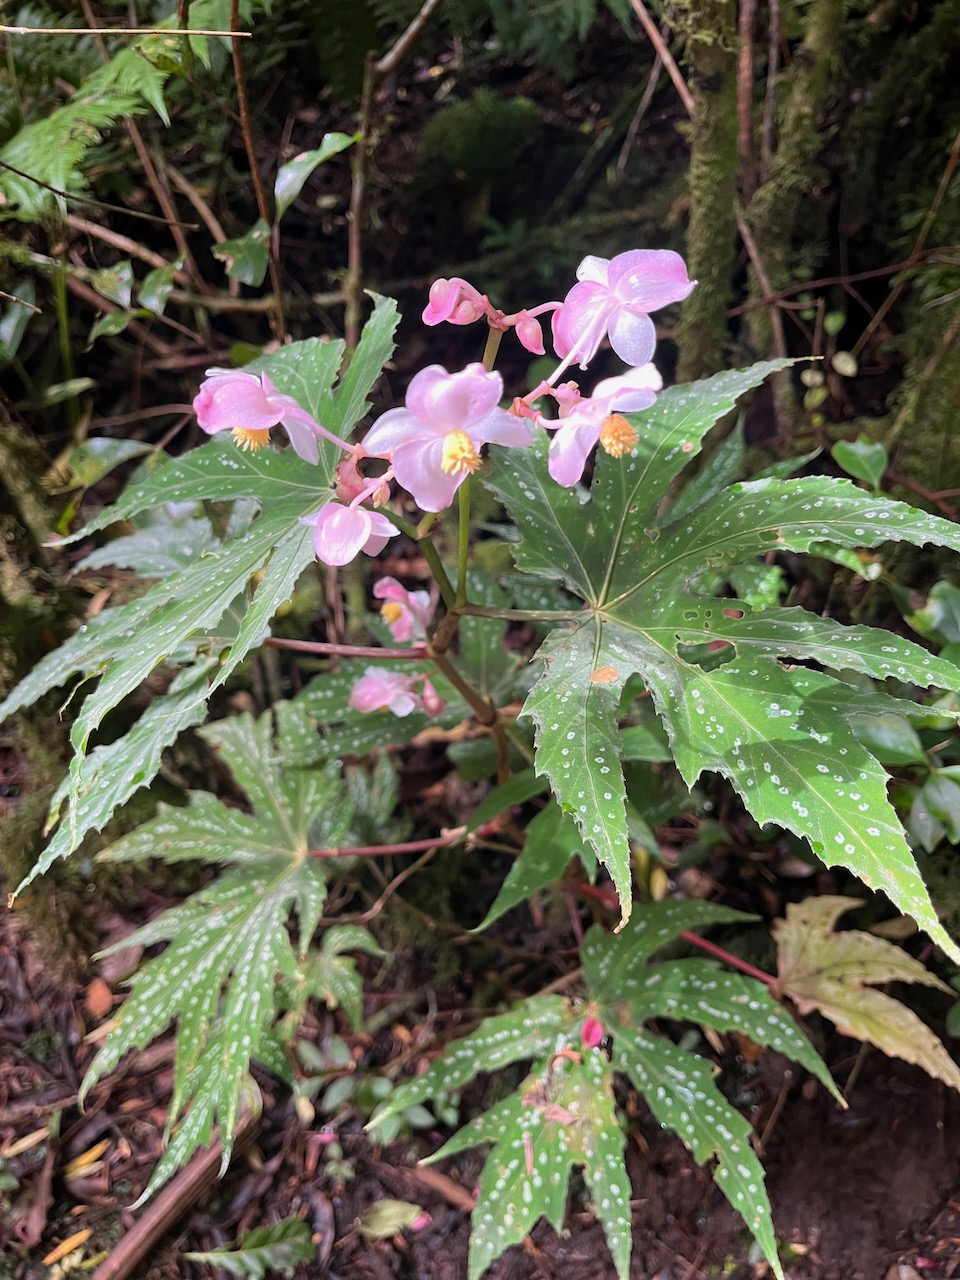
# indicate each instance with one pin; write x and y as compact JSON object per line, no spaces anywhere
{"x":382,"y":850}
{"x":416,"y":652}
{"x":727,"y":957}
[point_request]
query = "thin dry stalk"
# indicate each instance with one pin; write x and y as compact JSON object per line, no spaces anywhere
{"x":277,"y":321}
{"x":748,"y":163}
{"x":666,"y":57}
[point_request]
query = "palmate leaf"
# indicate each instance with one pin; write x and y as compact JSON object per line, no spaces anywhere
{"x":218,"y":603}
{"x":563,"y":1115}
{"x":624,"y":992}
{"x":777,"y":731}
{"x":229,"y":943}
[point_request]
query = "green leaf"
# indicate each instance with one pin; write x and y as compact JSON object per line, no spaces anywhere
{"x":98,"y":456}
{"x":16,"y":317}
{"x":890,"y":738}
{"x":551,"y":841}
{"x":222,"y":601}
{"x":722,"y":675}
{"x":941,"y":796}
{"x":680,"y":1091}
{"x":863,"y":458}
{"x":115,"y":283}
{"x":332,"y":977}
{"x":529,"y":1030}
{"x":246,"y":257}
{"x":229,"y":942}
{"x":165,"y":546}
{"x":278,"y":1247}
{"x":111,"y":774}
{"x":563,"y":1115}
{"x":292,"y":175}
{"x":836,"y":973}
{"x":112,"y":324}
{"x":386,"y":1218}
{"x":156,"y":287}
{"x":521,"y":787}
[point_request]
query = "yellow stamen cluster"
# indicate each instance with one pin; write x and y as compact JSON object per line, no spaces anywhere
{"x":391,"y":611}
{"x":617,"y":436}
{"x":459,"y":456}
{"x":247,"y":438}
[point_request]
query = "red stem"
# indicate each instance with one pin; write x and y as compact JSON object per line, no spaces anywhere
{"x":415,"y":653}
{"x":382,"y":850}
{"x":727,"y":957}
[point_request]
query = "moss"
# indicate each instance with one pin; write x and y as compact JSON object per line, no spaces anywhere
{"x":774,"y":213}
{"x":711,"y":237}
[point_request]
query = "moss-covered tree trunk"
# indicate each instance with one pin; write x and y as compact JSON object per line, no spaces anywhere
{"x":774,"y":211}
{"x":710,"y":30}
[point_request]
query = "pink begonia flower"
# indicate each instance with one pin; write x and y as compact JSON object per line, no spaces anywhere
{"x":613,"y":299}
{"x":248,"y":405}
{"x":455,"y":301}
{"x":378,"y":690}
{"x":341,"y":533}
{"x":406,"y":613}
{"x":592,"y":1033}
{"x":584,"y":421}
{"x":434,"y":443}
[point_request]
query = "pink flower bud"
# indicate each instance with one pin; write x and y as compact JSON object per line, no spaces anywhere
{"x":592,"y":1033}
{"x":455,"y":301}
{"x":433,"y":704}
{"x":530,"y":333}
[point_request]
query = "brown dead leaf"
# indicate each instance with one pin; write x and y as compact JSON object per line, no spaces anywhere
{"x":836,"y":973}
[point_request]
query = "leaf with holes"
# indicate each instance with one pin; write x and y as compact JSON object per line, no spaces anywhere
{"x":836,"y":973}
{"x":722,"y":674}
{"x":216,"y":598}
{"x":229,"y":943}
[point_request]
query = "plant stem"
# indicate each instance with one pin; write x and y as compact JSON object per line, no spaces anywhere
{"x":383,"y":850}
{"x":720,"y":953}
{"x":416,"y":652}
{"x":277,"y":321}
{"x":432,"y":557}
{"x":494,"y":338}
{"x":463,"y":548}
{"x":483,"y":708}
{"x":522,"y":615}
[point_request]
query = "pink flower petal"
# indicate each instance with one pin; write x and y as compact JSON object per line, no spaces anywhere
{"x":633,"y":337}
{"x":378,"y":690}
{"x":648,"y":279}
{"x":569,"y":450}
{"x":341,"y":533}
{"x":232,"y":400}
{"x":444,"y":402}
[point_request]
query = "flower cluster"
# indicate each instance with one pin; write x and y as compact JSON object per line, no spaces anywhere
{"x":433,"y":443}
